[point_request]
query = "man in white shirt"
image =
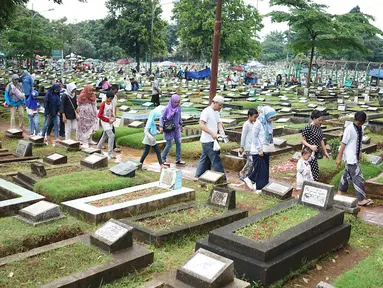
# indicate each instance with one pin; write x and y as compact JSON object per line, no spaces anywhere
{"x":210,"y":123}
{"x":350,"y":149}
{"x":156,"y":93}
{"x":234,"y":81}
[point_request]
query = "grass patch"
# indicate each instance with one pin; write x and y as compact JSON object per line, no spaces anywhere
{"x":193,"y":150}
{"x":128,"y":197}
{"x":298,"y":126}
{"x":379,"y":180}
{"x":51,"y":265}
{"x":81,"y":184}
{"x":17,"y":236}
{"x":366,"y":274}
{"x":120,"y":132}
{"x":275,"y":224}
{"x":135,"y":140}
{"x":368,"y":170}
{"x":293,"y":139}
{"x":177,"y":218}
{"x":327,"y":170}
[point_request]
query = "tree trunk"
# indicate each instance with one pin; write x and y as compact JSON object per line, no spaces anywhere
{"x":310,"y":66}
{"x":138,"y":55}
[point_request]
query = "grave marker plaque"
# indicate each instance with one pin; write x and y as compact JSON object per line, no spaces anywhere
{"x":90,"y":150}
{"x":56,"y":159}
{"x":14,"y":133}
{"x":113,"y":236}
{"x":38,"y":169}
{"x":277,"y":190}
{"x":341,"y":107}
{"x":40,"y":212}
{"x":95,"y":161}
{"x":37,"y":140}
{"x":282,"y":120}
{"x":222,"y":197}
{"x":213,"y":177}
{"x":168,"y":178}
{"x":206,"y":270}
{"x":317,"y":195}
{"x":137,"y":124}
{"x":24,"y":149}
{"x":125,"y":169}
{"x":280,"y":143}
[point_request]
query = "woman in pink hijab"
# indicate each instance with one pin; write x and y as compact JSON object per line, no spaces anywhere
{"x":171,"y":125}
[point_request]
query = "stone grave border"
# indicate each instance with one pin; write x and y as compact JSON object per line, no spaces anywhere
{"x":81,"y":208}
{"x":271,"y":260}
{"x":23,"y":198}
{"x":158,"y":238}
{"x":374,"y":189}
{"x":16,"y":158}
{"x":123,"y":263}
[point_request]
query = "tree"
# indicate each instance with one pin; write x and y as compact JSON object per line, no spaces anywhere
{"x":171,"y":37}
{"x":110,"y":52}
{"x":318,"y":30}
{"x":129,"y":24}
{"x":274,"y":46}
{"x":8,"y":8}
{"x":84,"y":48}
{"x":240,"y":24}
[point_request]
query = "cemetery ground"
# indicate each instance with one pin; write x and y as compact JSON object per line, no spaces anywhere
{"x":358,"y":263}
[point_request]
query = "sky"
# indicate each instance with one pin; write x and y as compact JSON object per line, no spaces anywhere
{"x":95,"y":9}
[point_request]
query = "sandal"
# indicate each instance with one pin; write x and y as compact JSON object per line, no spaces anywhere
{"x":364,"y":202}
{"x":370,"y":202}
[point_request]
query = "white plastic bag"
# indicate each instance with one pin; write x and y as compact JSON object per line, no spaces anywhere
{"x":216,"y":146}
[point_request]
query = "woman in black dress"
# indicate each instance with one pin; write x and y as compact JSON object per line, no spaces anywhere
{"x":312,"y":137}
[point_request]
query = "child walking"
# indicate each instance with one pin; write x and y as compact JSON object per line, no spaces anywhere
{"x":350,"y":150}
{"x":303,"y":168}
{"x":33,"y":105}
{"x":150,"y":136}
{"x":252,"y":116}
{"x":107,"y":118}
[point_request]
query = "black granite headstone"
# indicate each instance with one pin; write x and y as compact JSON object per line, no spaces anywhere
{"x":24,"y":149}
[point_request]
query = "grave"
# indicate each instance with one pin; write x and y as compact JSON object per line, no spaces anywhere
{"x":213,"y":177}
{"x":376,"y":160}
{"x":37,"y":140}
{"x":70,"y":145}
{"x":90,"y":150}
{"x":14,"y":133}
{"x":374,"y":187}
{"x":280,"y":143}
{"x":117,"y":264}
{"x":124,"y":108}
{"x":113,"y":236}
{"x":221,"y":208}
{"x":56,"y":159}
{"x":278,"y":190}
{"x":126,"y":202}
{"x":26,"y":180}
{"x":13,"y":198}
{"x":282,"y":120}
{"x":38,"y":169}
{"x":286,"y":110}
{"x":95,"y":161}
{"x":136,"y":124}
{"x":23,"y":153}
{"x":347,"y":204}
{"x":40,"y":213}
{"x":125,"y":169}
{"x":272,"y":258}
{"x":203,"y":270}
{"x":233,"y":162}
{"x":366,"y":140}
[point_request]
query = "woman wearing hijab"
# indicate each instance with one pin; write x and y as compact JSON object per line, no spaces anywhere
{"x":32,"y":105}
{"x":172,"y":114}
{"x":15,"y":99}
{"x":52,"y":110}
{"x":262,"y":135}
{"x":68,"y":110}
{"x":87,"y":123}
{"x":150,"y":136}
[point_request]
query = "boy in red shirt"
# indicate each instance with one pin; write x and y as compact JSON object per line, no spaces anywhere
{"x":107,"y":118}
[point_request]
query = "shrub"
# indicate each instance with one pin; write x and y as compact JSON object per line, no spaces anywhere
{"x":334,"y":147}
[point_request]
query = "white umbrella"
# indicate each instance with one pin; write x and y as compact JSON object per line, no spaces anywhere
{"x":254,"y":64}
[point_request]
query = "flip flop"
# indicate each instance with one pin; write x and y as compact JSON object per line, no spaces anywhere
{"x":370,"y":202}
{"x":363,"y":202}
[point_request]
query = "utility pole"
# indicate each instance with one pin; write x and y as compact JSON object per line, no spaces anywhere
{"x":151,"y":38}
{"x":214,"y":60}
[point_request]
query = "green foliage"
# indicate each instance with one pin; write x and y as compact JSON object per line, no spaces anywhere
{"x":315,"y":29}
{"x":334,"y":146}
{"x":366,"y":272}
{"x":135,"y":140}
{"x":172,"y":40}
{"x":18,"y":236}
{"x":81,"y":184}
{"x":273,"y":47}
{"x":84,"y":48}
{"x":51,"y":265}
{"x":130,"y":28}
{"x":240,"y":23}
{"x":193,"y":150}
{"x":8,"y":8}
{"x":120,"y":132}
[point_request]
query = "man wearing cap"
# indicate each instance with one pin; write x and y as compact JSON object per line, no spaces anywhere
{"x":15,"y":99}
{"x":210,"y":123}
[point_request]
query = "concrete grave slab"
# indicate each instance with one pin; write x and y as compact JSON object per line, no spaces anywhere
{"x":113,"y":236}
{"x":56,"y":159}
{"x":317,"y":195}
{"x":222,"y":197}
{"x":14,"y":133}
{"x":376,"y":160}
{"x":24,"y":149}
{"x":312,"y":106}
{"x":125,"y":169}
{"x":213,"y":177}
{"x":95,"y":161}
{"x":83,"y":208}
{"x":40,"y":213}
{"x":123,"y":108}
{"x":286,"y":110}
{"x":137,"y":124}
{"x":13,"y":198}
{"x":280,"y":143}
{"x":38,"y":169}
{"x":70,"y":145}
{"x":36,"y":140}
{"x":366,"y":140}
{"x":278,"y":190}
{"x":90,"y":150}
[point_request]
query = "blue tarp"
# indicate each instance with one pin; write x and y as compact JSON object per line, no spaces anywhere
{"x":205,"y":73}
{"x":375,"y":73}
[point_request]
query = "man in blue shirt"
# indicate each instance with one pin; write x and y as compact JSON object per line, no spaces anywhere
{"x":27,"y":82}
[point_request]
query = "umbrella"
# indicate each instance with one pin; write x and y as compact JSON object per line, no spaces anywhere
{"x":376,"y":73}
{"x":37,"y":57}
{"x":237,"y":68}
{"x":89,"y":60}
{"x":123,"y":61}
{"x":255,"y":64}
{"x":166,"y":64}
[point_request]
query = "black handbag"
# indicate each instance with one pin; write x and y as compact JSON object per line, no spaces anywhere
{"x":169,"y":125}
{"x":318,"y":154}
